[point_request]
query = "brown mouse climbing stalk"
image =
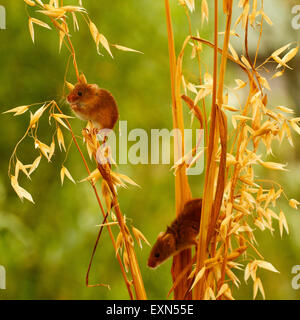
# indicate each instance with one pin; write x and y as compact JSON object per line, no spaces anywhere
{"x":91,"y":103}
{"x":179,"y":236}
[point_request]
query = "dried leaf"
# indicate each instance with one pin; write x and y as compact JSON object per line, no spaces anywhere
{"x":126,"y":179}
{"x":20,"y":166}
{"x":290,"y":55}
{"x":122,"y":48}
{"x":240,"y":84}
{"x":119,"y":242}
{"x":233,"y":52}
{"x":60,"y":139}
{"x":278,"y":74}
{"x":75,"y":22}
{"x":40,"y":23}
{"x":105,"y":44}
{"x":280,"y":50}
{"x":93,"y":177}
{"x":73,"y":9}
{"x":283,"y":223}
{"x":63,"y":31}
{"x":245,"y":62}
{"x":106,"y":194}
{"x":228,"y":294}
{"x":35,"y":164}
{"x":40,"y":2}
{"x":65,"y":172}
{"x":266,"y":265}
{"x":31,"y":29}
{"x":126,"y":261}
{"x":198,"y":277}
{"x":58,"y":119}
{"x":294,"y":203}
{"x":18,"y":110}
{"x":21,"y":192}
{"x":204,"y":11}
{"x":190,"y":4}
{"x":139,"y":237}
{"x":258,"y":285}
{"x":30,"y":3}
{"x":273,"y":165}
{"x":223,"y":288}
{"x":266,"y":18}
{"x":36,"y":116}
{"x":263,"y":81}
{"x":43,"y":147}
{"x":54,"y":13}
{"x":285,"y":109}
{"x":94,"y":31}
{"x":62,"y":116}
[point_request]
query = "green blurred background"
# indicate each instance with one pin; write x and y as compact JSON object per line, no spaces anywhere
{"x":46,"y":247}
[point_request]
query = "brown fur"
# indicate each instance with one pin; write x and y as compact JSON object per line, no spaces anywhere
{"x":94,"y":104}
{"x":179,"y":236}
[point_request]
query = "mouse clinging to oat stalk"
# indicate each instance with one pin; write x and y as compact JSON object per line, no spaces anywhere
{"x":179,"y":236}
{"x":91,"y":103}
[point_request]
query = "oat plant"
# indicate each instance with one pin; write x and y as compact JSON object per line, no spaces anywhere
{"x":62,"y":19}
{"x":235,"y":201}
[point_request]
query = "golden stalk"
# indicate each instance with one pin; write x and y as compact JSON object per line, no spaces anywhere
{"x":222,"y":120}
{"x":127,"y":282}
{"x":210,"y":171}
{"x":182,"y":189}
{"x":134,"y":267}
{"x":133,"y":264}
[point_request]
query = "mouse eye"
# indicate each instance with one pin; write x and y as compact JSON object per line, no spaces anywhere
{"x":79,"y":93}
{"x":157,"y":255}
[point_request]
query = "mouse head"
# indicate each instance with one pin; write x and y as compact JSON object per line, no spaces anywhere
{"x":82,"y":92}
{"x":164,"y":247}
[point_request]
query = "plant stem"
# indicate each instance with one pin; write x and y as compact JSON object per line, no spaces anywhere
{"x":127,"y":282}
{"x":210,"y":172}
{"x":182,"y":189}
{"x":133,"y":264}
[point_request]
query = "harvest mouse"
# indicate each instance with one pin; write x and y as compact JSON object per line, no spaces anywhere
{"x":179,"y":236}
{"x":91,"y":103}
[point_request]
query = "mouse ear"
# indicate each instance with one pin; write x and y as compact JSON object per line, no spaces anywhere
{"x":70,"y":86}
{"x":82,"y":79}
{"x":169,"y":230}
{"x":160,"y":235}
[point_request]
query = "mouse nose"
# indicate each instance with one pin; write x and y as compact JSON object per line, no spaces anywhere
{"x":151,"y":263}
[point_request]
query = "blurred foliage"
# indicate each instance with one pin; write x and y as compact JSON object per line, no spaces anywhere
{"x":46,"y":247}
